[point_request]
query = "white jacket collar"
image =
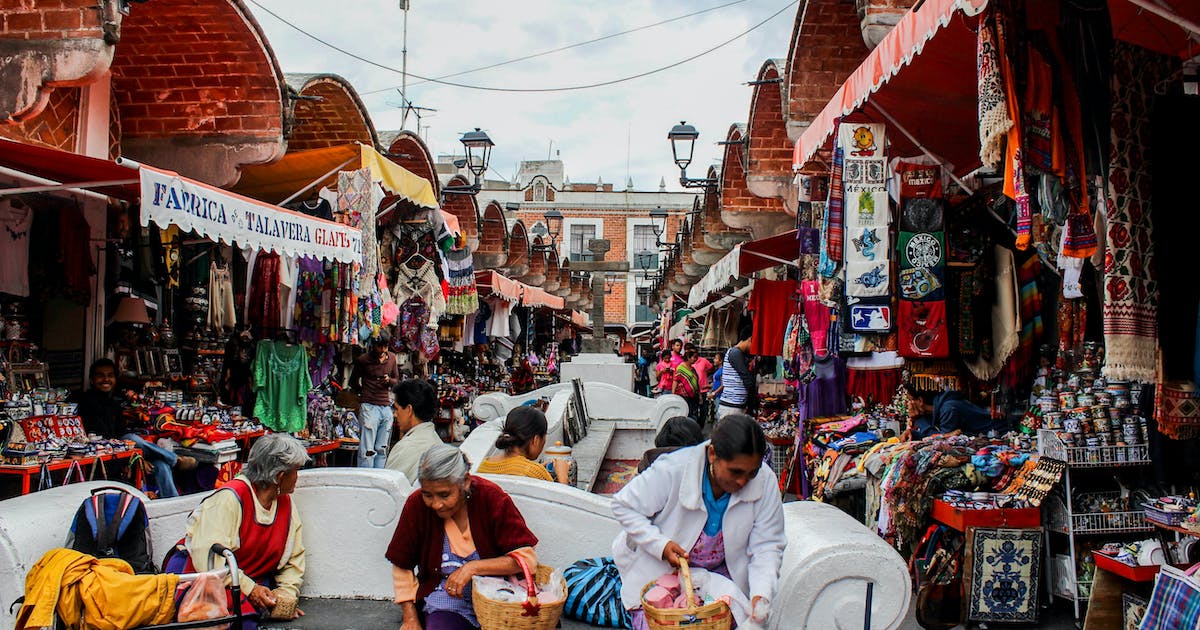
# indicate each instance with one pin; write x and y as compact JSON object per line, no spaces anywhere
{"x":692,"y":489}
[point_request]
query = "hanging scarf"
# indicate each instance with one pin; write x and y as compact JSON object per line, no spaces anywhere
{"x":832,"y":224}
{"x":1014,"y":153}
{"x":994,"y":121}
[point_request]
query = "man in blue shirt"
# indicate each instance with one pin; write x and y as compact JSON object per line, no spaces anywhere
{"x":949,"y":411}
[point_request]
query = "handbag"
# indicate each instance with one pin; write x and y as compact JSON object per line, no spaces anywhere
{"x":1175,"y":602}
{"x":594,"y":593}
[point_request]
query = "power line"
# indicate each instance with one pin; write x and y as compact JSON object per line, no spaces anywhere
{"x":577,"y":45}
{"x":528,"y":90}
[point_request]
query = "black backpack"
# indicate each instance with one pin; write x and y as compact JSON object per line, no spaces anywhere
{"x":112,"y":523}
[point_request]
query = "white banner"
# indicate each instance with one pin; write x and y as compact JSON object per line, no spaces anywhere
{"x":168,"y":199}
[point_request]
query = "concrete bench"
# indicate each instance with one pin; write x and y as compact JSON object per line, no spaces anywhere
{"x":349,"y":515}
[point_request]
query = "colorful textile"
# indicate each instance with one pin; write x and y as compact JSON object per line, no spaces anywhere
{"x":263,"y":312}
{"x":1014,"y":152}
{"x":1003,"y":565}
{"x":463,"y":297}
{"x":868,"y":279}
{"x":1130,"y":288}
{"x":994,"y":121}
{"x":1020,"y":366}
{"x":357,"y":208}
{"x":924,"y":331}
{"x":832,"y":222}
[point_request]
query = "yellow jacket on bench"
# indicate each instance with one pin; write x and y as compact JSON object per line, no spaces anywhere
{"x":100,"y":594}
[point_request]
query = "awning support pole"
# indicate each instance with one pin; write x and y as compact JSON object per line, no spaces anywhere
{"x":790,"y":263}
{"x":8,"y":192}
{"x":920,"y":146}
{"x":1169,"y":15}
{"x":318,"y":180}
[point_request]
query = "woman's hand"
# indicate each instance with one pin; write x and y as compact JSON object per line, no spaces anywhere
{"x":460,"y":579}
{"x":672,"y":553}
{"x":262,"y":597}
{"x":760,"y":608}
{"x":410,"y":621}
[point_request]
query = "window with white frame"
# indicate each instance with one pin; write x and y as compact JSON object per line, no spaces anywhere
{"x":645,"y":247}
{"x":641,"y":307}
{"x":580,"y":235}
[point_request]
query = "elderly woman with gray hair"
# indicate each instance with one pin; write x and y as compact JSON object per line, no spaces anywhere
{"x":254,"y":516}
{"x":454,"y":527}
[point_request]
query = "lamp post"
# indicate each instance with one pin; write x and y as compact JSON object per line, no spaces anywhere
{"x":478,"y":147}
{"x":554,"y":221}
{"x":683,"y":145}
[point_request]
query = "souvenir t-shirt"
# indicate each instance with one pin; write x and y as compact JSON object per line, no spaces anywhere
{"x":14,"y":248}
{"x":771,"y":303}
{"x":923,"y":331}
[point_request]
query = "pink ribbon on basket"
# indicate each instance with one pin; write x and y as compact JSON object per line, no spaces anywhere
{"x":531,"y":604}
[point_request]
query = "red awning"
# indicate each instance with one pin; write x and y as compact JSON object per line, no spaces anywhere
{"x":935,"y":100}
{"x":70,"y":169}
{"x":922,"y":78}
{"x":489,"y":282}
{"x":1166,"y":26}
{"x":781,"y":249}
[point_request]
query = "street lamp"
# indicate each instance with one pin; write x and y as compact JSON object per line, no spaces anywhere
{"x":659,"y":216}
{"x":478,"y":148}
{"x":554,"y":221}
{"x":683,"y":144}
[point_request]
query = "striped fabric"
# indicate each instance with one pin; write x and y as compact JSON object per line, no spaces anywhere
{"x":1175,"y":603}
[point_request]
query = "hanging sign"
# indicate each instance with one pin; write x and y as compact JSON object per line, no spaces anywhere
{"x":168,"y":199}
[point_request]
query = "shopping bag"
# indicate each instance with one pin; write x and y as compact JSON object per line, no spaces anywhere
{"x":594,"y":593}
{"x":204,"y":599}
{"x":1175,"y":602}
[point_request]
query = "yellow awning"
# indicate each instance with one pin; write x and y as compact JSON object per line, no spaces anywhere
{"x":397,"y":179}
{"x":298,"y":170}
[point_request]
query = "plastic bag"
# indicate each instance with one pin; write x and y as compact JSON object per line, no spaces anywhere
{"x":204,"y":599}
{"x":498,"y":589}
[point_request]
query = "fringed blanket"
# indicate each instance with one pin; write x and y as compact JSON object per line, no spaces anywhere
{"x":1130,"y":290}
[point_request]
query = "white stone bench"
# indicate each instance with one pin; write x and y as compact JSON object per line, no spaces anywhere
{"x":603,"y":401}
{"x":350,"y":513}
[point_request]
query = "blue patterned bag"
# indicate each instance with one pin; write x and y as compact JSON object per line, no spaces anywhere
{"x":594,"y":593}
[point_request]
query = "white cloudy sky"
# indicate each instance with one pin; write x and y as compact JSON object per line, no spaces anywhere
{"x":595,"y":129}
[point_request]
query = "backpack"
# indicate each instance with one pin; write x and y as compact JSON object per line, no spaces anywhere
{"x":594,"y":593}
{"x":112,"y":523}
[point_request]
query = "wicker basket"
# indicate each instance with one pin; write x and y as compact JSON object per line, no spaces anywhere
{"x":526,"y":615}
{"x":714,"y":616}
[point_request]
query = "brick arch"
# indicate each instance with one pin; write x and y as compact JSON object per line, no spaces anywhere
{"x":826,"y":46}
{"x":465,"y":208}
{"x":739,"y":207}
{"x":492,"y":252}
{"x":718,"y":237}
{"x":408,"y":150}
{"x":553,"y":272}
{"x":517,"y":264}
{"x":537,"y":273}
{"x":199,"y":88}
{"x":564,"y":276}
{"x":338,"y":117}
{"x":769,"y":154}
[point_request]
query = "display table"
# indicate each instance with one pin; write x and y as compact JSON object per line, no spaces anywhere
{"x":960,"y":519}
{"x":27,"y":473}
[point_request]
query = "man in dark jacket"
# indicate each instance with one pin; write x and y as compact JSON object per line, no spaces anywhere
{"x":102,"y":412}
{"x":375,"y":373}
{"x":949,"y":411}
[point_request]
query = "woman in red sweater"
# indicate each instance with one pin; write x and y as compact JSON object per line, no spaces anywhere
{"x":454,"y":527}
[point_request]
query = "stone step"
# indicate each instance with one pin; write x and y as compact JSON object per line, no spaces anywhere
{"x":589,"y":452}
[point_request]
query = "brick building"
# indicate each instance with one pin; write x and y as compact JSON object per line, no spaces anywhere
{"x":591,"y":210}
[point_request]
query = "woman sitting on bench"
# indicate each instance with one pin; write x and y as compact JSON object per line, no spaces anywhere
{"x":255,"y":517}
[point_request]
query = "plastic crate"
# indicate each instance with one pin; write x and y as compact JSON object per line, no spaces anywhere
{"x":1050,"y":445}
{"x":1127,"y":571}
{"x":1174,"y":519}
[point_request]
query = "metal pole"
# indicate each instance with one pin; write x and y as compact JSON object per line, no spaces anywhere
{"x":404,"y":68}
{"x":867,"y":613}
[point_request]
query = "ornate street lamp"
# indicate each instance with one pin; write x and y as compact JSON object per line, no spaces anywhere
{"x":683,"y":144}
{"x":478,"y":148}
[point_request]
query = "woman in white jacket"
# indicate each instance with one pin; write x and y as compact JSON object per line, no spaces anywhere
{"x":715,"y":504}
